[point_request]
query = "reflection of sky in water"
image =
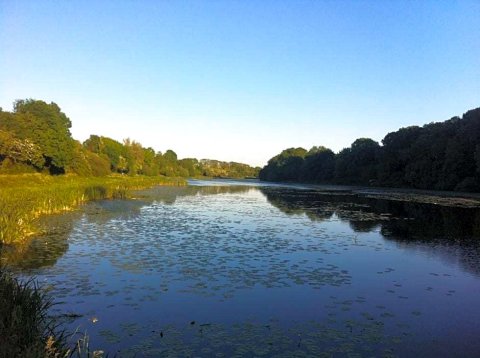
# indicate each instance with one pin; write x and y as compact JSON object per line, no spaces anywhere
{"x":261,"y":272}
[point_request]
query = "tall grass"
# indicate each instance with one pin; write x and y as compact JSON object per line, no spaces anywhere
{"x":24,"y":198}
{"x":26,"y":329}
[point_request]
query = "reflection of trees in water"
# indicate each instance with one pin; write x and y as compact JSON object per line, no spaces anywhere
{"x":298,"y":202}
{"x":397,"y":219}
{"x":363,"y":226}
{"x":448,"y":232}
{"x":168,"y":195}
{"x":463,"y":252}
{"x":435,"y":222}
{"x":453,"y":234}
{"x":320,"y":206}
{"x":44,"y":249}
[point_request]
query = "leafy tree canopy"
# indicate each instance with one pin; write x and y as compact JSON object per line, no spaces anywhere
{"x":444,"y":155}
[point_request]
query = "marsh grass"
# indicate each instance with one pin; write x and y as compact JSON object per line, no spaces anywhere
{"x":24,"y":198}
{"x":26,"y":329}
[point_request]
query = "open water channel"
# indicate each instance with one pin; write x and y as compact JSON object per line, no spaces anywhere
{"x":227,"y":268}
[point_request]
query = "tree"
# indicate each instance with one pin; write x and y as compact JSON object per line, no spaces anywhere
{"x":170,"y":156}
{"x":319,"y":165}
{"x":150,"y":166}
{"x":134,"y":155}
{"x":477,"y":158}
{"x":20,"y":151}
{"x":80,"y":162}
{"x":285,"y":166}
{"x":358,"y":164}
{"x":395,"y":155}
{"x":109,"y":148}
{"x":94,"y":144}
{"x":48,"y":127}
{"x":168,"y":164}
{"x":192,"y":166}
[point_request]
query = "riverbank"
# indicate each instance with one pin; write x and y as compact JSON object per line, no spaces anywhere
{"x":24,"y":198}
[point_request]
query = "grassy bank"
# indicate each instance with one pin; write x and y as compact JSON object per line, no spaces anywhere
{"x":24,"y":198}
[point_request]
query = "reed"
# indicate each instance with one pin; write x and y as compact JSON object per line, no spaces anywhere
{"x":24,"y":198}
{"x":26,"y":329}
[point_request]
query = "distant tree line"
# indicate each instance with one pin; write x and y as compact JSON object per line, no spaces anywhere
{"x":35,"y":137}
{"x":440,"y":156}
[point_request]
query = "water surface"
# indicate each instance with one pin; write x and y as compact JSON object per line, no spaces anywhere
{"x":228,"y":269}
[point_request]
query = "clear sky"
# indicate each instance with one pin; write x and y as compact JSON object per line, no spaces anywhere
{"x":242,"y":80}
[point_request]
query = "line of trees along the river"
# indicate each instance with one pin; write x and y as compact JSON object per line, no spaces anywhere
{"x":35,"y":137}
{"x":440,"y":156}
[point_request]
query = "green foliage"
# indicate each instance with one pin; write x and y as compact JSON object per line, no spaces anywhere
{"x":285,"y":166}
{"x":169,"y":166}
{"x":318,"y":166}
{"x":192,"y":167}
{"x":80,"y":163}
{"x":45,"y":125}
{"x":99,"y":165}
{"x":219,"y":169}
{"x":134,"y":156}
{"x":20,"y":151}
{"x":170,"y":156}
{"x":357,"y":164}
{"x":111,"y":149}
{"x":150,"y":166}
{"x":36,"y":137}
{"x":442,"y":156}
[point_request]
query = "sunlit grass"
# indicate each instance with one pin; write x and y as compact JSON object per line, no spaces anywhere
{"x":24,"y":198}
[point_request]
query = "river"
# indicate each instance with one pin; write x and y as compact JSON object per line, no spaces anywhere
{"x":240,"y":268}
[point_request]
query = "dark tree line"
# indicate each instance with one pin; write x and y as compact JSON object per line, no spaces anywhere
{"x":440,"y":156}
{"x":35,"y":137}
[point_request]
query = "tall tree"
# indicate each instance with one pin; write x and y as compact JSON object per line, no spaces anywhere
{"x":358,"y":164}
{"x":47,"y":126}
{"x":319,"y":165}
{"x":285,"y":166}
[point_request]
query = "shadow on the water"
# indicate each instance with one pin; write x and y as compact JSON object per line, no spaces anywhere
{"x":45,"y":248}
{"x":449,"y":232}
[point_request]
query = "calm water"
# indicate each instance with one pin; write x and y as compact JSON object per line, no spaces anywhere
{"x":214,"y":270}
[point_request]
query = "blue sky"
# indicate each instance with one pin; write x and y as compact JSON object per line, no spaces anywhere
{"x":242,"y":80}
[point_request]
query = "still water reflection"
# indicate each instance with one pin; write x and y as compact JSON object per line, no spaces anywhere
{"x":242,"y":270}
